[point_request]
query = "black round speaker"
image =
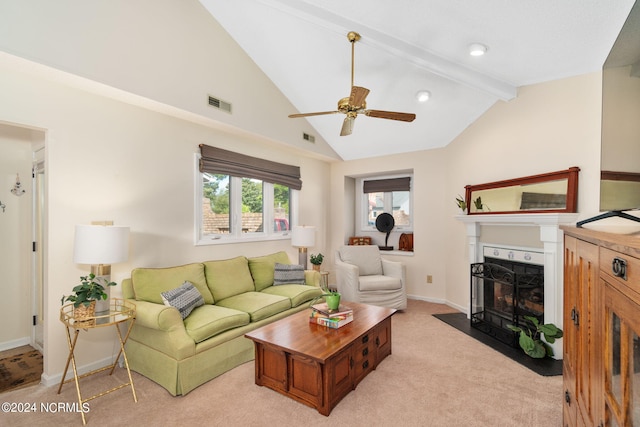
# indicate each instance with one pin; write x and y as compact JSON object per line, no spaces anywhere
{"x":384,"y":224}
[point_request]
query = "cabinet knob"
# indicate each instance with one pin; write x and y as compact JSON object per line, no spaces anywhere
{"x":365,"y":351}
{"x":575,"y":316}
{"x":567,"y":397}
{"x":619,"y":268}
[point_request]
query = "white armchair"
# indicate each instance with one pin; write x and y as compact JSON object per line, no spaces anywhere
{"x":363,"y":276}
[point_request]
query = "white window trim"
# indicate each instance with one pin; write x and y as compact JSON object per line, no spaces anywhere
{"x":236,"y":196}
{"x":362,"y":219}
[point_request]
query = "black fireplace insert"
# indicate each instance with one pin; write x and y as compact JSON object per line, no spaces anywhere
{"x":503,"y":292}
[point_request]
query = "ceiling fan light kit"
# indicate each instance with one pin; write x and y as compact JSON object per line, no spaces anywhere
{"x":355,"y":103}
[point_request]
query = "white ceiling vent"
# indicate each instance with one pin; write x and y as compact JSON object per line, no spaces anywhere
{"x":308,"y":137}
{"x":219,"y":104}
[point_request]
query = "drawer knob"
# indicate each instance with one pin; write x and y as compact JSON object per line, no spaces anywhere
{"x":365,"y":351}
{"x":619,"y":268}
{"x":567,"y":397}
{"x":365,"y":339}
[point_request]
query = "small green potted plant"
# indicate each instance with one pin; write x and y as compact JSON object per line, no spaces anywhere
{"x":530,"y":340}
{"x":461,"y":204}
{"x":85,"y":295}
{"x":316,"y":260}
{"x":478,"y":204}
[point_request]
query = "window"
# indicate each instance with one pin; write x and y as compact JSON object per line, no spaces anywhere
{"x":391,"y":194}
{"x":241,"y":204}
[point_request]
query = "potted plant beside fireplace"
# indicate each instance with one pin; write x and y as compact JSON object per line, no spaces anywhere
{"x":530,"y":338}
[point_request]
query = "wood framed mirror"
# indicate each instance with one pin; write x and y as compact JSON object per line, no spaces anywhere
{"x":548,"y":192}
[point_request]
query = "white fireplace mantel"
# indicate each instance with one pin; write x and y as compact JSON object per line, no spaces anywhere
{"x":552,"y":238}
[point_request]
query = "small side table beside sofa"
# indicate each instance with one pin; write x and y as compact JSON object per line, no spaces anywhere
{"x":120,"y":312}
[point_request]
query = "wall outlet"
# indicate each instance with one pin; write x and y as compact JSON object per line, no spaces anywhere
{"x":429,"y":278}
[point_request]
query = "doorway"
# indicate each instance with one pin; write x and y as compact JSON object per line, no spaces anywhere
{"x":22,"y":222}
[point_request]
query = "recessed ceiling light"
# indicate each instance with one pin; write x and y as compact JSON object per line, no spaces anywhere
{"x":423,"y":95}
{"x":477,"y":49}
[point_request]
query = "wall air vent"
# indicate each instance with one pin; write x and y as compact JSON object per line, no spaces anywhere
{"x":308,"y":137}
{"x":219,"y":104}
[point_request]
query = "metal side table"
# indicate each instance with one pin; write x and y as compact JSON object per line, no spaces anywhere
{"x":120,"y":312}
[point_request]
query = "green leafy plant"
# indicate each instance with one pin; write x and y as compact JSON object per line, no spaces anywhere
{"x":91,"y":288}
{"x":316,"y":259}
{"x":530,"y":340}
{"x":461,"y":203}
{"x":478,"y":203}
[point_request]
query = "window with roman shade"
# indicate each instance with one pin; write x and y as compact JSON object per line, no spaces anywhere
{"x":242,"y":198}
{"x":390,"y":194}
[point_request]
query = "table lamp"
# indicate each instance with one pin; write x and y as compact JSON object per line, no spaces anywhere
{"x":303,"y":237}
{"x":101,"y":246}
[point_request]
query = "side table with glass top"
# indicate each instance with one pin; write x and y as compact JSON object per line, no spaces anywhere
{"x":120,"y":312}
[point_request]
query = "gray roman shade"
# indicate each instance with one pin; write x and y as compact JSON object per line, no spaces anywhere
{"x":386,"y":185}
{"x":219,"y":161}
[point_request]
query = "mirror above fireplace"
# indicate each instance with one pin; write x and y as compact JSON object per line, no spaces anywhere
{"x":548,"y":192}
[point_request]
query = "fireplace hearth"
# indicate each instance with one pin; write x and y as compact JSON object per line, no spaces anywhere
{"x":503,"y":292}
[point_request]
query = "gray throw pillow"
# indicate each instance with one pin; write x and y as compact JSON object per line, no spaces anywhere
{"x":185,"y":298}
{"x":288,"y":274}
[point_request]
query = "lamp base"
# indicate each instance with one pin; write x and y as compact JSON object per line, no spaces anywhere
{"x":302,"y":257}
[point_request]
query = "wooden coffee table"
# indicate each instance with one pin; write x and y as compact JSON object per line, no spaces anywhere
{"x":317,"y":365}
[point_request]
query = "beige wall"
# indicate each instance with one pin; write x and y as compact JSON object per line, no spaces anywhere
{"x":107,"y":160}
{"x":548,"y":127}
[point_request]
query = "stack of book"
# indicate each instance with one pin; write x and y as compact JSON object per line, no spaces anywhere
{"x":321,"y":315}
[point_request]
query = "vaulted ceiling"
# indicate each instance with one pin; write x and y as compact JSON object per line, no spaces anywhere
{"x":413,"y":45}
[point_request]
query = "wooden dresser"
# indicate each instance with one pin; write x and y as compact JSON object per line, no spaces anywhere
{"x":601,"y":328}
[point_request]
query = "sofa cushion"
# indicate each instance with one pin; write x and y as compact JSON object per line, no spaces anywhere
{"x":228,"y":277}
{"x":367,"y":258}
{"x":379,"y":283}
{"x":298,"y":294}
{"x":210,"y":320}
{"x":258,"y":305}
{"x":185,"y":298}
{"x":149,"y":283}
{"x":291,"y":274}
{"x":262,"y":268}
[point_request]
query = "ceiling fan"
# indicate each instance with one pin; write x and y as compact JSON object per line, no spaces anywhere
{"x":355,"y":104}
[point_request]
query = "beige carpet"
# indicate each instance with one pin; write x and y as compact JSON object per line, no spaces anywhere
{"x":436,"y":376}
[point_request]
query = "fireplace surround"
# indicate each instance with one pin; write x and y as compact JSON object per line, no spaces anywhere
{"x":551,"y":253}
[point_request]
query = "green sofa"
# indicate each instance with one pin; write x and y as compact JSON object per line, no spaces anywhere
{"x":239,"y":296}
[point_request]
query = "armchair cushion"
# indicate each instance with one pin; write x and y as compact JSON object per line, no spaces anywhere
{"x":379,"y":283}
{"x":366,"y":258}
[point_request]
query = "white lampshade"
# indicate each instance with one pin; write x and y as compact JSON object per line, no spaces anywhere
{"x":303,"y":236}
{"x":100,"y":244}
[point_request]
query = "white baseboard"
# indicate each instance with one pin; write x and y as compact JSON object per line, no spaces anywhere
{"x":8,"y":345}
{"x":51,"y":380}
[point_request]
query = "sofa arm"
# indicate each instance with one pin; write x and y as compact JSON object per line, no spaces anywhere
{"x":161,"y":327}
{"x":312,"y":278}
{"x":157,"y":316}
{"x":394,"y":269}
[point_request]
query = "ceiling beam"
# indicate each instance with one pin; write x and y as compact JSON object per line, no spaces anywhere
{"x":421,"y":58}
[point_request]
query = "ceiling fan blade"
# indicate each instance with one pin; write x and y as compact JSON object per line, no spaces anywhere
{"x":358,"y":95}
{"x":391,"y":115}
{"x":347,"y":125}
{"x":321,"y":113}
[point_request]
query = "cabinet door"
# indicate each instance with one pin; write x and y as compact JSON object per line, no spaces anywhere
{"x":570,"y":404}
{"x":622,"y":354}
{"x":589,"y":363}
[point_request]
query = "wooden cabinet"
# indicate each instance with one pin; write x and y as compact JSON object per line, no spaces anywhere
{"x":601,"y":369}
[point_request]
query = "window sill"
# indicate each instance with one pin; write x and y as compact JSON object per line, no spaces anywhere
{"x":397,"y":252}
{"x":207,"y":241}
